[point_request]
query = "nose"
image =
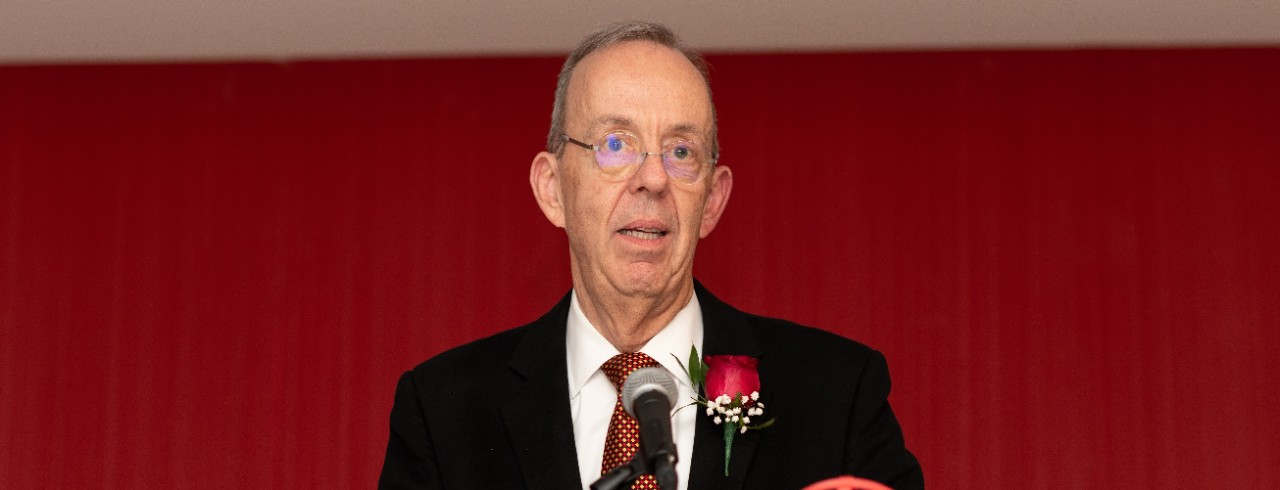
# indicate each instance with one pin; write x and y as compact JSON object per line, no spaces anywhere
{"x":652,"y":174}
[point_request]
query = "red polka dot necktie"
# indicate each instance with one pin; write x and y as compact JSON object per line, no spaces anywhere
{"x":624,"y":432}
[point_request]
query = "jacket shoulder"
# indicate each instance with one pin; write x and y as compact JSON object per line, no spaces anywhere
{"x":494,"y":355}
{"x":470,"y":362}
{"x":494,"y":347}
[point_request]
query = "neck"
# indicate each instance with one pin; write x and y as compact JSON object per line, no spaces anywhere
{"x":629,"y":321}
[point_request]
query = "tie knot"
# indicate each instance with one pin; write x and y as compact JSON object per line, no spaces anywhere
{"x":620,"y":366}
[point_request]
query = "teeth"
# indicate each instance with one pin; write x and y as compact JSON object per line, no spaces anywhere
{"x":643,"y":235}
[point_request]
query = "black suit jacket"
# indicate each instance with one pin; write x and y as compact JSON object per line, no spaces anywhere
{"x":494,"y":414}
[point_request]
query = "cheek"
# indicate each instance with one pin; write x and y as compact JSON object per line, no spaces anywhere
{"x":691,"y":216}
{"x":585,"y":209}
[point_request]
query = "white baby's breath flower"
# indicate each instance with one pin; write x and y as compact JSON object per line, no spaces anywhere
{"x":734,"y":419}
{"x":755,"y":395}
{"x":743,"y":430}
{"x":711,"y":411}
{"x":746,"y":420}
{"x":716,"y":420}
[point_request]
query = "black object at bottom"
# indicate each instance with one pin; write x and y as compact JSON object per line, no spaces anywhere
{"x":623,"y":476}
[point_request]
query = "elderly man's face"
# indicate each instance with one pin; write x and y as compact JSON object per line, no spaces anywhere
{"x":636,"y":236}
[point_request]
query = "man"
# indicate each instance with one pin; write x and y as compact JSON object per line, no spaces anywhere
{"x":630,"y":173}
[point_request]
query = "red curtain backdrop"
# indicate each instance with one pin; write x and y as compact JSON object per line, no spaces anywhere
{"x":212,"y":274}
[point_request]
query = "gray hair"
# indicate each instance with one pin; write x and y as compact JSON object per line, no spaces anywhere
{"x":609,"y":36}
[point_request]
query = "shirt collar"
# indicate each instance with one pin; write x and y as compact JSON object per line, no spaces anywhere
{"x":588,"y":349}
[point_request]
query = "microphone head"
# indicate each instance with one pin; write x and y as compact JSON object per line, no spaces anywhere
{"x":645,"y":380}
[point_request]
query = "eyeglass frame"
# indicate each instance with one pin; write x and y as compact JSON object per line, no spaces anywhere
{"x":715,"y":156}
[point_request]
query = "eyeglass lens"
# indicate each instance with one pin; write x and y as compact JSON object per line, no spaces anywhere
{"x":621,"y":153}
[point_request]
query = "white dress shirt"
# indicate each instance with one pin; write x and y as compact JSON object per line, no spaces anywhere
{"x":592,"y":396}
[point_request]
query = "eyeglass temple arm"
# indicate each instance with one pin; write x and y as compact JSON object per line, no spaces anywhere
{"x":579,"y":143}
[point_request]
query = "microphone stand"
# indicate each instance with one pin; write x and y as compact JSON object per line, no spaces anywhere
{"x":624,"y":475}
{"x":621,"y":476}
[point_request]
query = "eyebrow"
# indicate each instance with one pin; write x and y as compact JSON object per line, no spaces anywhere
{"x":610,"y":120}
{"x":626,"y":122}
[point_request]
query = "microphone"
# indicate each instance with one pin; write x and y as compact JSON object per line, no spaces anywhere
{"x":648,"y":395}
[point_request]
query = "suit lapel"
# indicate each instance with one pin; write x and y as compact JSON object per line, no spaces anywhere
{"x":725,"y":332}
{"x":537,"y":418}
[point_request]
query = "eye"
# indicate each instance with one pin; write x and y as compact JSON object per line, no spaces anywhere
{"x":682,"y":152}
{"x":616,"y":151}
{"x":613,"y":143}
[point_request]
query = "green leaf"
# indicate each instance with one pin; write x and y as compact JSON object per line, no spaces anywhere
{"x":729,"y":430}
{"x":681,"y":364}
{"x":764,"y":425}
{"x":697,"y":372}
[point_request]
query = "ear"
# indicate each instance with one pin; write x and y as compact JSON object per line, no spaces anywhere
{"x":717,"y":198}
{"x":544,"y":178}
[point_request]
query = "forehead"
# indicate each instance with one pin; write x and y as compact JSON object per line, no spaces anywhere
{"x":642,"y":83}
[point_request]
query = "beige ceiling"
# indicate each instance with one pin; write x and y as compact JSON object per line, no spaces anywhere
{"x":44,"y":31}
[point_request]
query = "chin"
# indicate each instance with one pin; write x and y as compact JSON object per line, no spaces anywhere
{"x":644,"y":281}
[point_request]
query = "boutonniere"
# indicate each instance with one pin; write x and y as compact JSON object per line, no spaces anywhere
{"x":735,"y":384}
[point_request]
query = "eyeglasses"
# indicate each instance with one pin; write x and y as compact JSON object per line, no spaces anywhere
{"x":619,"y":154}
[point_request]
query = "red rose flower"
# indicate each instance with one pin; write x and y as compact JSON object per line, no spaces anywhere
{"x":731,"y":375}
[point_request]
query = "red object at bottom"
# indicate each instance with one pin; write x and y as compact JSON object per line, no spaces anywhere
{"x":846,"y":483}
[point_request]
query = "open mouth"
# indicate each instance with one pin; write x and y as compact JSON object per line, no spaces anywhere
{"x":643,"y":233}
